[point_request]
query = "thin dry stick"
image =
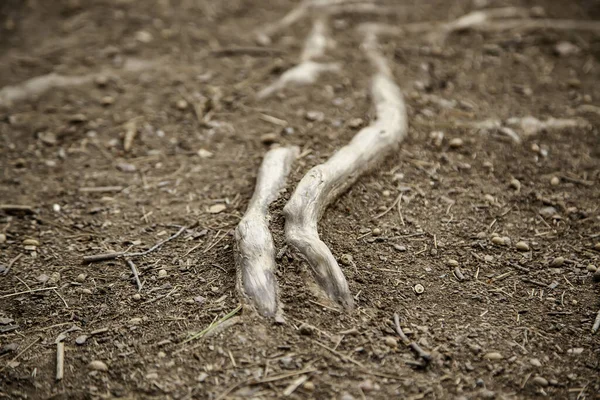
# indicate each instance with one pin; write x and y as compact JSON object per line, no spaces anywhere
{"x":12,"y":262}
{"x":60,"y":360}
{"x":425,"y":356}
{"x":340,"y":355}
{"x":112,"y":256}
{"x":389,"y":208}
{"x":27,"y":291}
{"x":216,"y":242}
{"x":63,"y":300}
{"x":20,"y":353}
{"x":596,"y":323}
{"x":135,"y":274}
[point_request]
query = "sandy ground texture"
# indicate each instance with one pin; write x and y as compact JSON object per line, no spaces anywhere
{"x":482,"y":232}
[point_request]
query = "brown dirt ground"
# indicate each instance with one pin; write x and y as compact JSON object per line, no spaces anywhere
{"x":45,"y":158}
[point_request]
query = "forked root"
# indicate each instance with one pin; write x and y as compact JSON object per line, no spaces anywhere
{"x":308,"y":70}
{"x":323,"y":183}
{"x":254,"y":249}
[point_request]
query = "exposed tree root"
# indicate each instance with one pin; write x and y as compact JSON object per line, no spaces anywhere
{"x":308,"y":70}
{"x":254,"y":251}
{"x":323,"y":183}
{"x":490,"y":20}
{"x":518,"y":128}
{"x":40,"y":84}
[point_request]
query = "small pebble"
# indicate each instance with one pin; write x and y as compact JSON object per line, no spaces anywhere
{"x":2,"y":238}
{"x":390,"y":341}
{"x":522,"y":246}
{"x":217,"y":208}
{"x":456,"y":143}
{"x":161,"y":354}
{"x":376,"y":231}
{"x":203,"y":153}
{"x":554,"y":181}
{"x":315,"y":116}
{"x":107,"y":100}
{"x":540,"y":381}
{"x":143,"y":36}
{"x":576,"y":350}
{"x":346,"y":259}
{"x":86,"y":291}
{"x":356,"y":123}
{"x":309,"y":386}
{"x":101,"y":80}
{"x":565,"y":49}
{"x":269,"y":138}
{"x":487,"y":394}
{"x":535,"y":362}
{"x":386,"y":193}
{"x":30,"y":248}
{"x":81,"y":339}
{"x":488,"y":258}
{"x":557,"y":262}
{"x":399,"y":247}
{"x":366,"y":385}
{"x":452,"y":263}
{"x":137,"y":297}
{"x":98,"y":366}
{"x":597,"y":246}
{"x":31,"y":242}
{"x":135,"y":321}
{"x":493,"y":356}
{"x":162,"y":273}
{"x":498,"y":240}
{"x":418,"y":288}
{"x":80,"y":278}
{"x":515,"y":184}
{"x":181,"y":104}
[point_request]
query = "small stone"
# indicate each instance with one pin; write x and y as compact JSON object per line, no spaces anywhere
{"x":107,"y":100}
{"x":356,"y":123}
{"x":390,"y":341}
{"x":80,"y":278}
{"x":515,"y":184}
{"x":161,"y":354}
{"x":56,"y":207}
{"x":437,"y":138}
{"x":565,"y":49}
{"x":456,"y":143}
{"x":101,"y":80}
{"x":557,"y":262}
{"x":31,"y":242}
{"x":399,"y":247}
{"x":346,"y":396}
{"x":539,"y":381}
{"x":162,"y":273}
{"x":493,"y":356}
{"x":309,"y":386}
{"x":30,"y":248}
{"x":591,"y":268}
{"x":366,"y":385}
{"x":201,"y":377}
{"x":575,"y":351}
{"x":181,"y":104}
{"x":81,"y":339}
{"x":489,"y":198}
{"x":315,"y":116}
{"x":126,"y":167}
{"x":547,"y":212}
{"x":597,"y":246}
{"x":98,"y":366}
{"x":137,"y":297}
{"x":54,"y":278}
{"x":86,"y":291}
{"x":535,"y":362}
{"x":522,"y":246}
{"x":418,"y":288}
{"x":135,"y":321}
{"x":152,"y":376}
{"x":203,"y":153}
{"x":554,"y":181}
{"x":269,"y":138}
{"x":2,"y":238}
{"x":386,"y":193}
{"x":43,"y":278}
{"x":452,"y":263}
{"x":217,"y":208}
{"x":78,"y":118}
{"x":488,"y":258}
{"x":376,"y":231}
{"x":498,"y":240}
{"x":487,"y":394}
{"x":346,"y":259}
{"x":143,"y":36}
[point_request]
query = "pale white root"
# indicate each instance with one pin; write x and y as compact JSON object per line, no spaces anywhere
{"x":308,"y":71}
{"x":490,"y":20}
{"x":254,"y":248}
{"x":526,"y":126}
{"x":323,"y":183}
{"x":39,"y":85}
{"x":306,"y":7}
